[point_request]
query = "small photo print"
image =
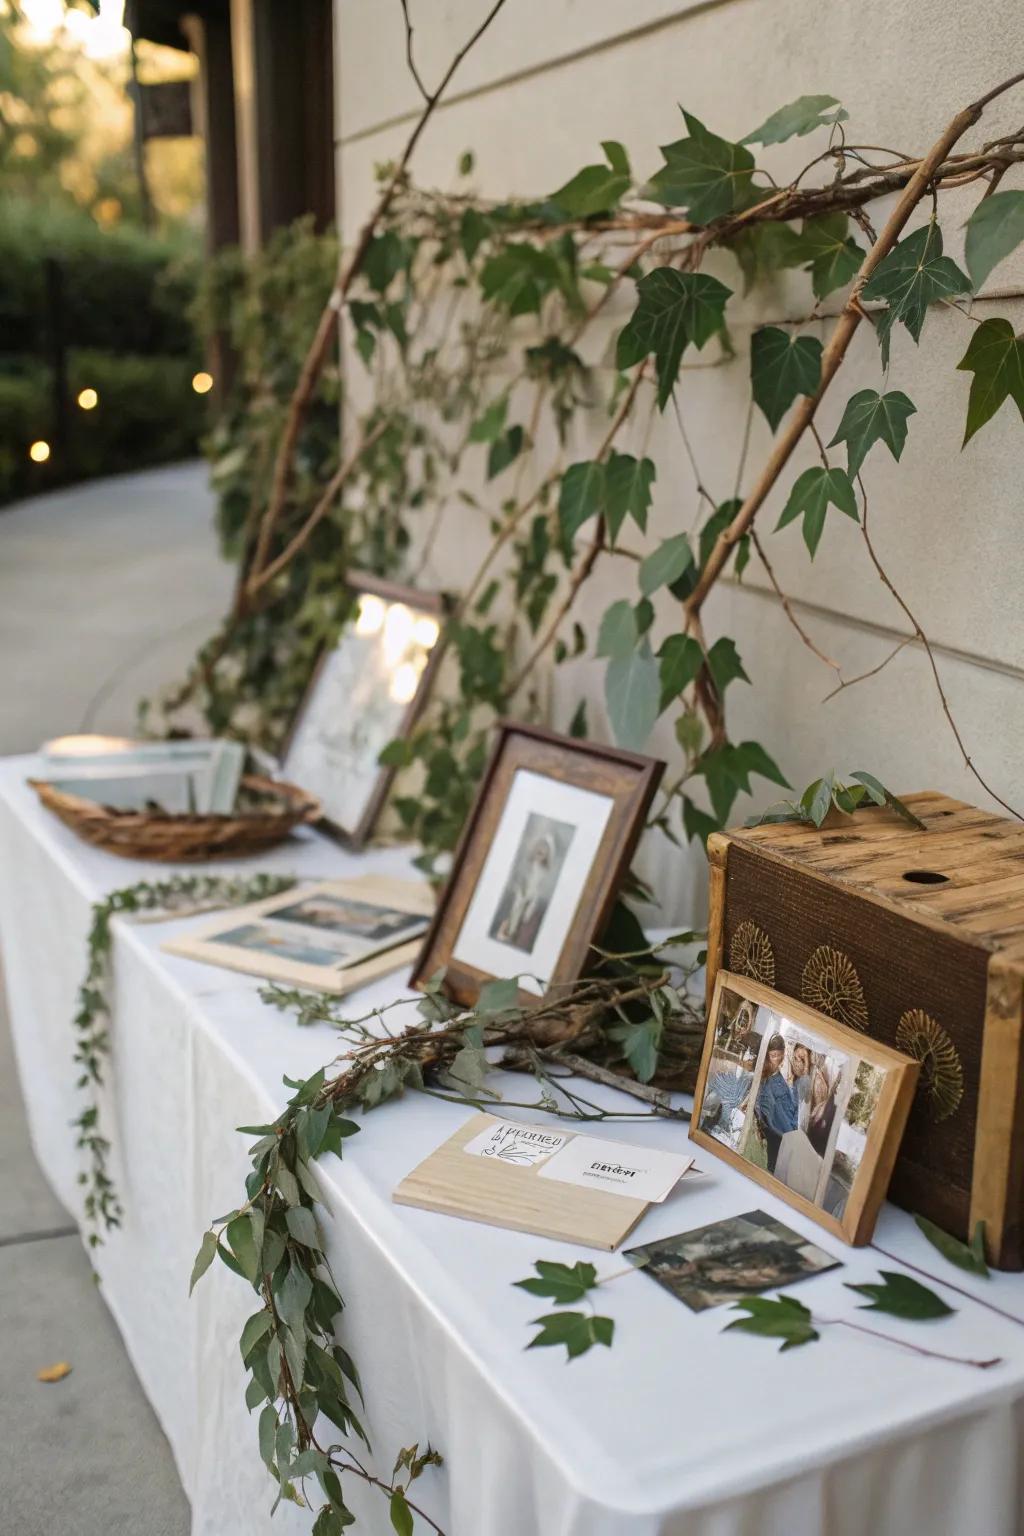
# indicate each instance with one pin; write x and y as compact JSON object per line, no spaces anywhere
{"x":531,"y":882}
{"x":789,"y":1101}
{"x":721,"y":1263}
{"x":261,"y":939}
{"x":356,"y":919}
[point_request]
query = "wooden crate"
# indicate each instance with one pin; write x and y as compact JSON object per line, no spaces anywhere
{"x":916,"y":937}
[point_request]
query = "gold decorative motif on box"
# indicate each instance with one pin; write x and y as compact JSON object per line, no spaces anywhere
{"x":830,"y":982}
{"x":751,"y":954}
{"x":941,"y":1085}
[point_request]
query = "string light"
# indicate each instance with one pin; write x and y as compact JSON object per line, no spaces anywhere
{"x":88,"y":399}
{"x":403,"y":683}
{"x":39,"y":452}
{"x":371,"y":615}
{"x":398,"y":626}
{"x":202,"y":383}
{"x":425,"y":632}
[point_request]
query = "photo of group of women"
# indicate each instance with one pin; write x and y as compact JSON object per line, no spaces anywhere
{"x":789,"y":1101}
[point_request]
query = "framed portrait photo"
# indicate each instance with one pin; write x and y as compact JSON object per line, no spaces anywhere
{"x":808,"y":1108}
{"x":548,"y":841}
{"x":365,"y":690}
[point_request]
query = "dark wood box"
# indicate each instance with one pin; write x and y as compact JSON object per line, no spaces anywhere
{"x":916,"y":937}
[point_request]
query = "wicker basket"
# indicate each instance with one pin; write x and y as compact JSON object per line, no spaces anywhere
{"x":267,"y":811}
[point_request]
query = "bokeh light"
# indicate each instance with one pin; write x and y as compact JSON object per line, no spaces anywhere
{"x":39,"y":452}
{"x":88,"y":399}
{"x":371,"y":615}
{"x":202,"y":383}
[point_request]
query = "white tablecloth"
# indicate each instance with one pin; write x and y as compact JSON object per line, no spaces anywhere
{"x":678,"y":1430}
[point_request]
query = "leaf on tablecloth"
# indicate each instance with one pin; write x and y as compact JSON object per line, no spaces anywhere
{"x":55,"y":1372}
{"x":562,"y":1282}
{"x":901,"y":1296}
{"x":575,"y":1330}
{"x":968,"y":1256}
{"x":784,"y":1318}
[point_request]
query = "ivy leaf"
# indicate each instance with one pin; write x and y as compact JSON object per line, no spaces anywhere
{"x":996,"y":358}
{"x":704,"y":174}
{"x":781,"y":368}
{"x":869,"y":418}
{"x":618,"y":633}
{"x":724,"y":664}
{"x":681,"y":658}
{"x":562,"y":1284}
{"x":582,"y":494}
{"x":596,"y":188}
{"x":628,"y":484}
{"x":575,"y":1330}
{"x":763,"y":249}
{"x":498,"y":995}
{"x":901,"y":1296}
{"x":640,"y":1045}
{"x":519,"y":277}
{"x":968,"y":1256}
{"x":834,"y":258}
{"x":633,"y":695}
{"x":674,"y":309}
{"x":994,"y":229}
{"x":488,"y":427}
{"x":913,"y":275}
{"x":697,"y":824}
{"x":204,"y":1258}
{"x":665,"y":564}
{"x":784,"y":1318}
{"x":798,"y":118}
{"x":401,"y":1514}
{"x":814,"y":492}
{"x":504,"y":450}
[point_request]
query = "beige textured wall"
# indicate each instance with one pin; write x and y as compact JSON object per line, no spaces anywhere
{"x":551,"y":80}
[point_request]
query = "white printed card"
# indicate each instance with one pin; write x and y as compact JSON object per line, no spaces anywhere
{"x":522,"y":1145}
{"x":640,"y":1172}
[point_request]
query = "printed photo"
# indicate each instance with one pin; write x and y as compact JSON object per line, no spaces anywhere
{"x":789,"y":1101}
{"x":532,"y":880}
{"x":265,"y":940}
{"x":357,"y":919}
{"x":721,"y":1263}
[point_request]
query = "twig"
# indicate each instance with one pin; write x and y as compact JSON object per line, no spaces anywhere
{"x":918,"y":1349}
{"x":788,"y":610}
{"x":862,"y":677}
{"x":923,"y":638}
{"x":658,"y":1097}
{"x":950,"y":1286}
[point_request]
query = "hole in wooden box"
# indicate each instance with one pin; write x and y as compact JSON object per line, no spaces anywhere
{"x":925,"y":876}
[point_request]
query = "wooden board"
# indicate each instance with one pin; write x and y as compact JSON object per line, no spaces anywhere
{"x":407,"y":895}
{"x":457,"y":1183}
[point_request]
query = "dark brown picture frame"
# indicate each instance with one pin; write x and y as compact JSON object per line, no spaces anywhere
{"x":627,"y":778}
{"x":436,"y":604}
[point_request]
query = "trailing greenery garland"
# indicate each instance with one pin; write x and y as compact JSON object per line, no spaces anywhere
{"x":102,"y":1205}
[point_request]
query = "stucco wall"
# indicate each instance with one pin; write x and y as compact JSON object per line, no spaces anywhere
{"x":551,"y":80}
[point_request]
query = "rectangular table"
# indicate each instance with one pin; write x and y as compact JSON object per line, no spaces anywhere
{"x":677,"y":1430}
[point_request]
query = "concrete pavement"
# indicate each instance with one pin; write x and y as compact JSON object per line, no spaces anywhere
{"x":106,"y":590}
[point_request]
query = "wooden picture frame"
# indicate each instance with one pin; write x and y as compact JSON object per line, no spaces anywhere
{"x":353,"y":826}
{"x":567,"y":812}
{"x":730,"y":1042}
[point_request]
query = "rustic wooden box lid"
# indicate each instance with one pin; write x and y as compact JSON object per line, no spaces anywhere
{"x":964,"y":872}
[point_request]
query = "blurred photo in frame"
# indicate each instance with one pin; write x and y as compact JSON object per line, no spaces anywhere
{"x":365,"y":691}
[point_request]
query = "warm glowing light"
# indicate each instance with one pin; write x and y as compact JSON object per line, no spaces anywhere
{"x":425,"y":633}
{"x":403,"y":683}
{"x":39,"y":452}
{"x":397,"y":633}
{"x":371,"y":615}
{"x":202,"y":383}
{"x":86,"y":745}
{"x":88,"y":399}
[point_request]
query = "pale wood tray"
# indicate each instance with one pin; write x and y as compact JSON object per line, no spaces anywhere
{"x":455,"y":1183}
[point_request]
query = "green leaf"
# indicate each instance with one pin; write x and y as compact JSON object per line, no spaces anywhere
{"x":633,"y":695}
{"x":294,"y":1293}
{"x":302,"y":1226}
{"x":204,"y":1258}
{"x":784,"y":1318}
{"x":640,"y":1045}
{"x":799,"y":117}
{"x":814,"y":492}
{"x":970,"y":1257}
{"x":595,"y":189}
{"x":816,"y":800}
{"x":581,"y":496}
{"x":875,"y":789}
{"x":488,"y":426}
{"x":704,"y":174}
{"x":242,"y":1243}
{"x":255,"y":1329}
{"x":763,"y":249}
{"x":311,"y":1128}
{"x":834,"y":258}
{"x":724,"y":664}
{"x":578,"y":723}
{"x":681,"y":658}
{"x":697,"y":824}
{"x":504,"y":451}
{"x":401,"y":1514}
{"x":674,"y":309}
{"x":562,"y":1283}
{"x":781,"y":368}
{"x":665,"y":564}
{"x":615,"y":154}
{"x":996,"y":358}
{"x":628,"y":484}
{"x":268,"y":1435}
{"x":496,"y":996}
{"x":519,"y":277}
{"x":901,"y":1296}
{"x":913,"y":275}
{"x":870,"y":418}
{"x":575,"y":1330}
{"x":619,"y":632}
{"x":994,"y":229}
